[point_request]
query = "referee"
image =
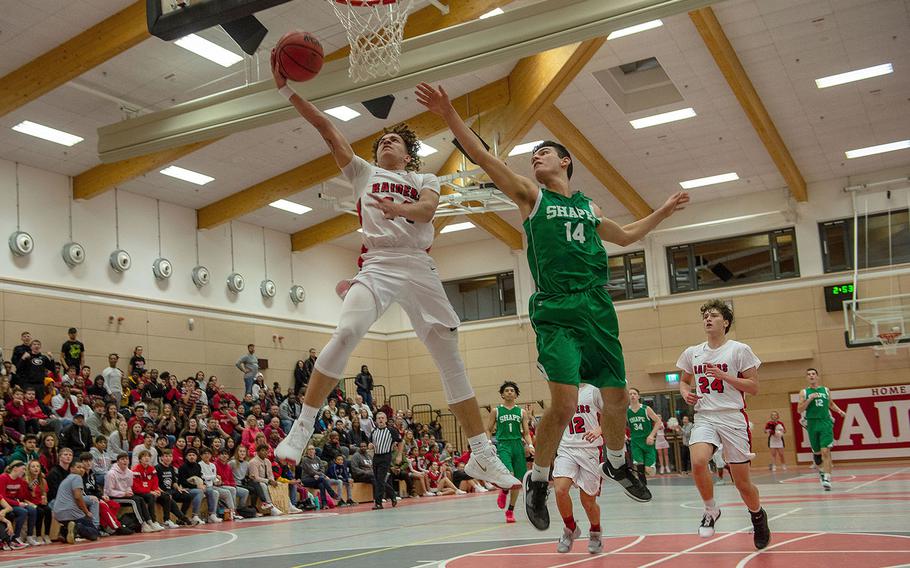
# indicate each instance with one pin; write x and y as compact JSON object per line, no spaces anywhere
{"x":383,"y":438}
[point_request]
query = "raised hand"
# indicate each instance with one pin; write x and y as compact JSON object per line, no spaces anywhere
{"x":674,"y":203}
{"x":434,"y":98}
{"x":280,"y":80}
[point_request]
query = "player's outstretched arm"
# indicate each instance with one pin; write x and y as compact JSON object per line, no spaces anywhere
{"x":338,"y":145}
{"x":518,"y":188}
{"x":624,"y":235}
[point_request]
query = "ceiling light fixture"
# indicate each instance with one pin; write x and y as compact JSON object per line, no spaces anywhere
{"x":524,"y":148}
{"x":662,"y":118}
{"x":635,"y":29}
{"x":491,"y":13}
{"x":47,"y":133}
{"x":710,"y":180}
{"x":455,"y":227}
{"x":290,"y":206}
{"x":343,"y":113}
{"x":187,"y":175}
{"x":880,"y":149}
{"x":211,"y":51}
{"x":851,"y":76}
{"x":426,"y":150}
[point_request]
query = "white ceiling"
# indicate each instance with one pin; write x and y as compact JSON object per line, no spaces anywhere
{"x":783,"y":44}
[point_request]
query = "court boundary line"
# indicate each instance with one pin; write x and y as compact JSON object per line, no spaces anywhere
{"x":742,"y":563}
{"x":597,"y":556}
{"x":882,"y":478}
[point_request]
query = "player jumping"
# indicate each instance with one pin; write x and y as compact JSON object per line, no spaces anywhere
{"x":396,"y":206}
{"x":722,"y":371}
{"x":572,"y":312}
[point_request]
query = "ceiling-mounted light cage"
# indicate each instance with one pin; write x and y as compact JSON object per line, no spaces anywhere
{"x":297,"y":293}
{"x":121,"y":260}
{"x":21,"y":243}
{"x":73,"y":254}
{"x":201,"y":276}
{"x":268,"y":288}
{"x":235,"y":282}
{"x":162,"y":268}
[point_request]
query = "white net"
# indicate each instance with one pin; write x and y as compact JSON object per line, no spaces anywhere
{"x":375,"y":30}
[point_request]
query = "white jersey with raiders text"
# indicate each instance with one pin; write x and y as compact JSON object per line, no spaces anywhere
{"x":733,"y":358}
{"x":399,"y":186}
{"x":586,"y":418}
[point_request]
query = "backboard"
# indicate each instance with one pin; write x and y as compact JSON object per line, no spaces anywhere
{"x":866,"y":320}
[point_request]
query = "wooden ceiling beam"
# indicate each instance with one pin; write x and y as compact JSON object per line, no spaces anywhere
{"x":72,"y":58}
{"x":321,"y":169}
{"x":585,"y":152}
{"x":732,"y":69}
{"x":324,"y":232}
{"x":103,"y":177}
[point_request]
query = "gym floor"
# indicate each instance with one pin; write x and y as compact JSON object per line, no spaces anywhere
{"x":863,"y":523}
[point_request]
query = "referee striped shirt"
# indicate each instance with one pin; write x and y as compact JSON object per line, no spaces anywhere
{"x":383,"y":438}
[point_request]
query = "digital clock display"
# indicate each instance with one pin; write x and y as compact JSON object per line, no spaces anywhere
{"x":836,"y":295}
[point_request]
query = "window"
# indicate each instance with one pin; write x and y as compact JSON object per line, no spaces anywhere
{"x":873,"y":245}
{"x":483,"y":297}
{"x":627,"y":277}
{"x":743,"y":259}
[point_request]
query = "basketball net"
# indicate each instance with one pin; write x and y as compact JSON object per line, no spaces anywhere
{"x":889,"y":341}
{"x":375,"y":30}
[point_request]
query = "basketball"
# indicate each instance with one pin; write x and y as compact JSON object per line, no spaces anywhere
{"x":299,"y":56}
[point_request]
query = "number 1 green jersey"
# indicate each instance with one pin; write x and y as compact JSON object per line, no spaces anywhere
{"x":565,"y":252}
{"x":508,"y":423}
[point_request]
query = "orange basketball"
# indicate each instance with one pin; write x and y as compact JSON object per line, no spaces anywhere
{"x":299,"y":55}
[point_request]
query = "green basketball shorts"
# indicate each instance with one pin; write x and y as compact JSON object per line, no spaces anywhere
{"x":821,"y":434}
{"x":512,"y":455}
{"x":643,"y":453}
{"x":578,"y":338}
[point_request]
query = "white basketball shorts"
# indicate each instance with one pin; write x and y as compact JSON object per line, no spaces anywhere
{"x":581,"y":465}
{"x":408,"y":277}
{"x":727,"y":428}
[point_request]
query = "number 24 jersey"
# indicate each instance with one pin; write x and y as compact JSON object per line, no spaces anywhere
{"x":733,"y":358}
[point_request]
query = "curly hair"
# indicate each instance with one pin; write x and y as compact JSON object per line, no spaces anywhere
{"x":411,"y":142}
{"x":512,"y":384}
{"x":726,"y":311}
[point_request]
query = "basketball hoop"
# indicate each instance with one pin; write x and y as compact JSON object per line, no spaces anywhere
{"x":375,"y":30}
{"x":889,"y":341}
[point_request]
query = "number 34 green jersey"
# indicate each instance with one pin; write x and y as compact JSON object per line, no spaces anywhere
{"x":565,"y":252}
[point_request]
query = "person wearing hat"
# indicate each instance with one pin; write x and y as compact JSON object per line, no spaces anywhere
{"x":77,"y":436}
{"x":64,"y":403}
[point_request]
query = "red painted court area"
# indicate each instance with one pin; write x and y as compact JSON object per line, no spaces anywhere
{"x":806,"y":550}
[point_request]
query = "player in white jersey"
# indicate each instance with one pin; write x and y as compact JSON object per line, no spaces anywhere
{"x":717,"y":375}
{"x":578,"y":463}
{"x":396,"y":206}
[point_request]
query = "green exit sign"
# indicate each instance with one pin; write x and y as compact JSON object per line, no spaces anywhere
{"x":672,"y":378}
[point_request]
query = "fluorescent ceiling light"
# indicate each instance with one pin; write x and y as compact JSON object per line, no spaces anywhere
{"x":635,"y":29}
{"x":187,"y":175}
{"x":662,"y":118}
{"x":457,"y":227}
{"x":211,"y":51}
{"x":295,"y":208}
{"x":426,"y":150}
{"x":47,"y":133}
{"x":343,"y":113}
{"x":711,"y":180}
{"x":880,"y":149}
{"x":491,"y":13}
{"x":524,"y":148}
{"x":851,"y":76}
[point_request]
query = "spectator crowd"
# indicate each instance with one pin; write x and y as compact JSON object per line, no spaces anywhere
{"x":133,"y":449}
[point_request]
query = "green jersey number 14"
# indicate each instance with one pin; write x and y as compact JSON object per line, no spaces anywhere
{"x":576,"y":234}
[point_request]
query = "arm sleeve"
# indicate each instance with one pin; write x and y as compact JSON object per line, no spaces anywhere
{"x":431,"y":182}
{"x":357,"y":171}
{"x":747,"y":358}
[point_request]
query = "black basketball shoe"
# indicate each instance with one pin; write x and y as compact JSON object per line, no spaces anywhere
{"x":761,"y":533}
{"x":536,"y":493}
{"x":633,"y":486}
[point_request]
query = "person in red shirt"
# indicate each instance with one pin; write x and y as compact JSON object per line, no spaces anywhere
{"x":145,"y":486}
{"x":223,"y":396}
{"x":226,"y":473}
{"x":14,"y":489}
{"x":36,"y":486}
{"x":25,"y":414}
{"x":775,"y":430}
{"x":227,"y":418}
{"x":47,"y":451}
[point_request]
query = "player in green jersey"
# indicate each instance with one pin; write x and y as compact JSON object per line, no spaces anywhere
{"x":816,"y":402}
{"x":571,"y":311}
{"x":643,"y":426}
{"x":509,"y":424}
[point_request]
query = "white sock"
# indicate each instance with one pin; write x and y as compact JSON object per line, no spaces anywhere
{"x":617,"y":457}
{"x":711,"y":505}
{"x":478,"y":442}
{"x":308,"y":417}
{"x":539,"y":473}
